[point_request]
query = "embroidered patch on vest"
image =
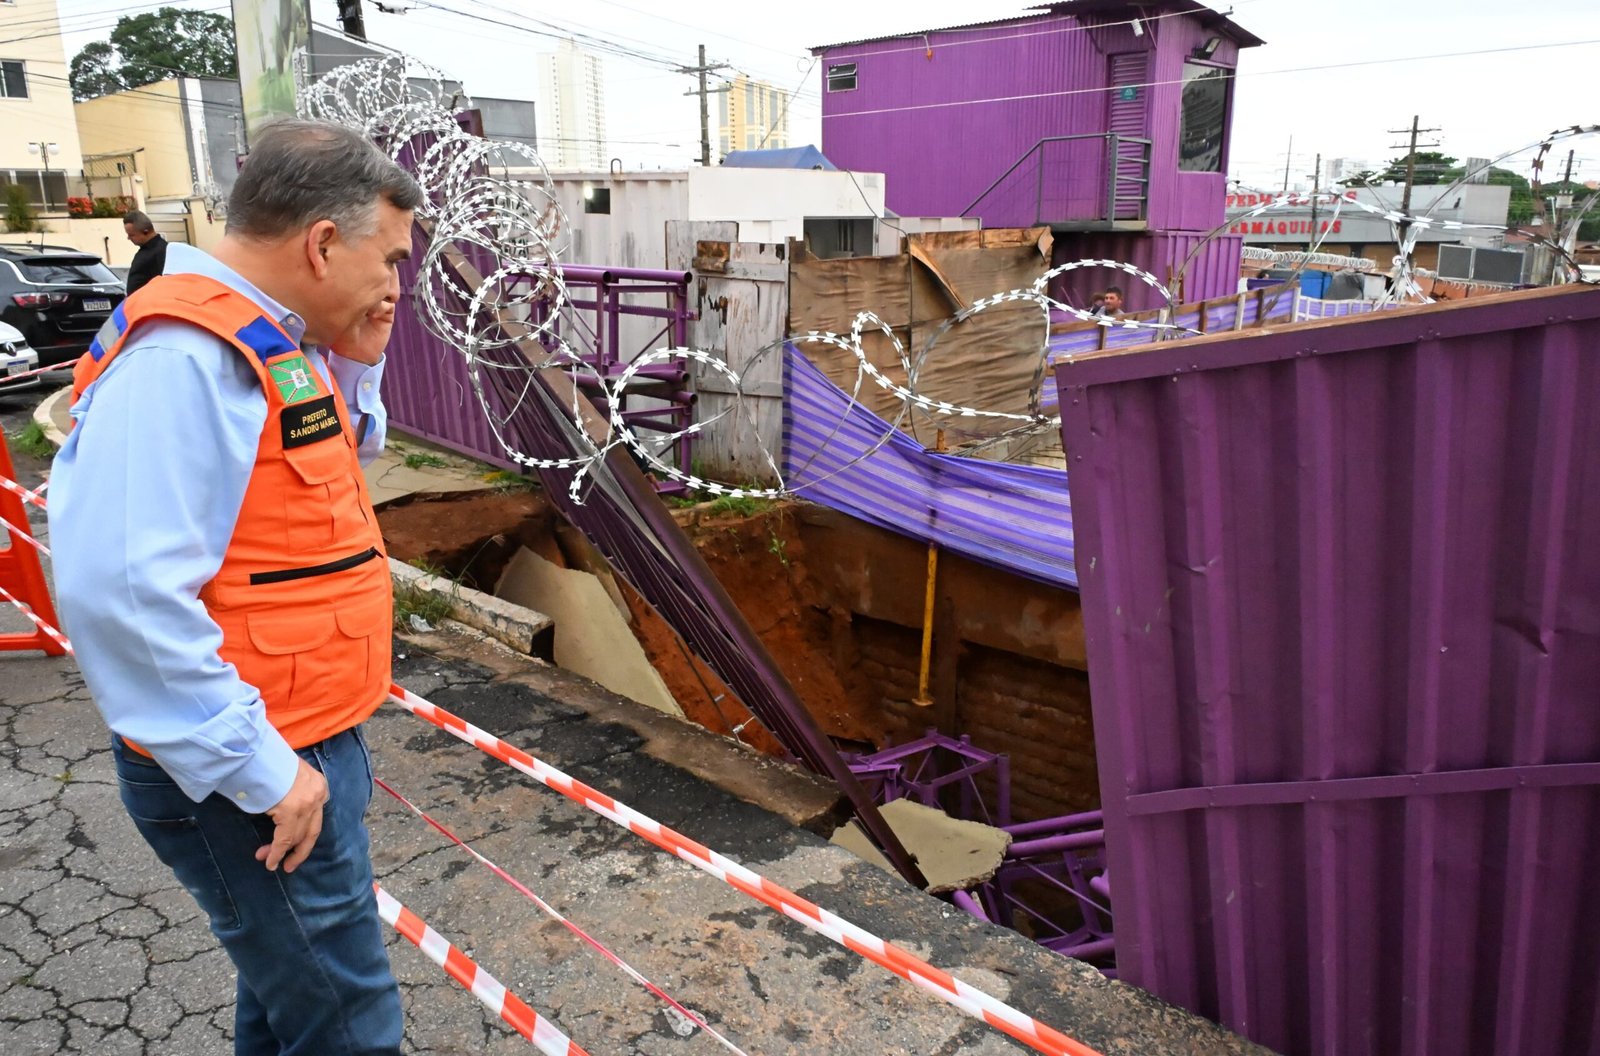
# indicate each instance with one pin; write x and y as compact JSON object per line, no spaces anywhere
{"x":306,"y":423}
{"x":295,"y":379}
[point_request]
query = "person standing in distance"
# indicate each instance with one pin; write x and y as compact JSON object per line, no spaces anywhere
{"x":151,"y":260}
{"x":219,"y":567}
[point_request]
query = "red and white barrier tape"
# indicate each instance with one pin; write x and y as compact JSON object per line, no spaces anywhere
{"x":19,"y":533}
{"x":968,"y":998}
{"x":34,"y":498}
{"x":27,"y":610}
{"x":485,"y":987}
{"x":39,"y":370}
{"x":632,"y":973}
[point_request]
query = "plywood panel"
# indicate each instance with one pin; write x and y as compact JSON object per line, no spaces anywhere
{"x":741,"y":297}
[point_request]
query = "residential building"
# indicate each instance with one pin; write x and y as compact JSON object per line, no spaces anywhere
{"x":176,"y":143}
{"x":755,"y":116}
{"x":1107,"y":120}
{"x":39,"y":148}
{"x":1337,"y":169}
{"x":570,"y":89}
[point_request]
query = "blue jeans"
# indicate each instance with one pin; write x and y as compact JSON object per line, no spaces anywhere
{"x":314,"y":978}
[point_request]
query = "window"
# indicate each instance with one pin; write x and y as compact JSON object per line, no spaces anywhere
{"x":13,"y":81}
{"x":842,"y":77}
{"x":1205,"y":117}
{"x":47,"y":189}
{"x":598,"y":201}
{"x":749,"y":106}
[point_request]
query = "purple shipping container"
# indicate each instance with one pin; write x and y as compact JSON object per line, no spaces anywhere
{"x":1341,"y":586}
{"x":946,"y":113}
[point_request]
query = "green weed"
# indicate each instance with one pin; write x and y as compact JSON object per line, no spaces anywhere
{"x":741,"y":505}
{"x":418,"y":459}
{"x":32,"y":441}
{"x":412,"y":600}
{"x":505,"y":482}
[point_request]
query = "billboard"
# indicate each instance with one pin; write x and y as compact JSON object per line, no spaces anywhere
{"x":267,"y":35}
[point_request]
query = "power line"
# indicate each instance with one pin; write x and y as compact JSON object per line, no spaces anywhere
{"x":62,"y":32}
{"x":785,"y":111}
{"x":1227,"y":75}
{"x":556,"y":32}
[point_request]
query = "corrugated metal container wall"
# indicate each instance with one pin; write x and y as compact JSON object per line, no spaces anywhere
{"x":914,"y":116}
{"x":633,"y":234}
{"x":944,"y":116}
{"x":426,"y":387}
{"x":1342,"y":595}
{"x":1214,"y":272}
{"x":1184,"y":201}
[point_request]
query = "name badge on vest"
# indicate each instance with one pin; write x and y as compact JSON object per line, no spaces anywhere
{"x":306,"y":423}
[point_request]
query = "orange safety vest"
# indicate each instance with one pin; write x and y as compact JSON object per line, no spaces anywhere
{"x":303,"y":596}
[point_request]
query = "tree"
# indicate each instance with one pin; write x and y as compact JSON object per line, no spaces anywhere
{"x":1361,"y":179}
{"x":143,"y":49}
{"x":94,"y":71}
{"x":1431,"y":167}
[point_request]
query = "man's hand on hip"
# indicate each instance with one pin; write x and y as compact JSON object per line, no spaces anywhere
{"x":298,"y":820}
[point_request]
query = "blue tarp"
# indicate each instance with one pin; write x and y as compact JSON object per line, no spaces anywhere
{"x":806,"y":157}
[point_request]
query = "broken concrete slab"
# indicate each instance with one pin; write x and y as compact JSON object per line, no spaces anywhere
{"x":591,"y":636}
{"x":518,"y":626}
{"x":954,"y":854}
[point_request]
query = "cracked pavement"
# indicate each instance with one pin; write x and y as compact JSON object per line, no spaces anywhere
{"x":102,"y":952}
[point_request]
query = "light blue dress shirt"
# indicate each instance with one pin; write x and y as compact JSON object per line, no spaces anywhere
{"x":143,"y":500}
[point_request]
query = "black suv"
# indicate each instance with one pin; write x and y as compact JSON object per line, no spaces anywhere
{"x":57,"y":296}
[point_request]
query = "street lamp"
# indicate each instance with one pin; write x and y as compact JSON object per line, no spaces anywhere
{"x":44,"y":150}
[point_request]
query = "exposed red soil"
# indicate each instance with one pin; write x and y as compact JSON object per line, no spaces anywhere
{"x":854,"y":674}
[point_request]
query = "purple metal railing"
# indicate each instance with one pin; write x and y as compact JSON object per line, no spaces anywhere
{"x":1051,"y":884}
{"x":611,"y":293}
{"x":426,"y":386}
{"x":941,"y":772}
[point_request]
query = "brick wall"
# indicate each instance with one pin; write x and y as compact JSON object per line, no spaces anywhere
{"x":1035,"y":712}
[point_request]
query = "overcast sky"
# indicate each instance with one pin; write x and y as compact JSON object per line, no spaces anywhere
{"x":1484,"y":104}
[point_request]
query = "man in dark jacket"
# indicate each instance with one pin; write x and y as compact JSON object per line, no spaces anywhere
{"x":151,"y":260}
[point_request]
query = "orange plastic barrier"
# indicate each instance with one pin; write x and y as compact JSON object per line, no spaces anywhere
{"x":21,"y":575}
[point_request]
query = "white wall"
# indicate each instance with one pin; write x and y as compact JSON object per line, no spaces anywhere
{"x":633,"y":234}
{"x":721,"y":193}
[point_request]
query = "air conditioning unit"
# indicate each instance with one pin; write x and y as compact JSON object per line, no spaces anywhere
{"x":1503,"y":267}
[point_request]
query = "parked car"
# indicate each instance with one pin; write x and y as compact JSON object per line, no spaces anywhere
{"x":16,"y":358}
{"x":58,"y":297}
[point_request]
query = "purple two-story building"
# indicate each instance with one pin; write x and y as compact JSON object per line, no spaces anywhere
{"x":1106,"y":120}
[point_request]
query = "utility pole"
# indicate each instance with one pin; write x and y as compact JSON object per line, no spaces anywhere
{"x":1287,"y":160}
{"x":1411,"y":166}
{"x":1316,"y":189}
{"x":350,"y":19}
{"x":702,"y":91}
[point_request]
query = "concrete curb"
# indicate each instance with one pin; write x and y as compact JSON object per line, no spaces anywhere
{"x":521,"y":628}
{"x":42,"y":415}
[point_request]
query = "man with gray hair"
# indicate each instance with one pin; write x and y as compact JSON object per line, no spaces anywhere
{"x":219,"y":566}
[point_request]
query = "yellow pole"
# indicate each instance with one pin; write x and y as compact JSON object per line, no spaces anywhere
{"x":922,"y":700}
